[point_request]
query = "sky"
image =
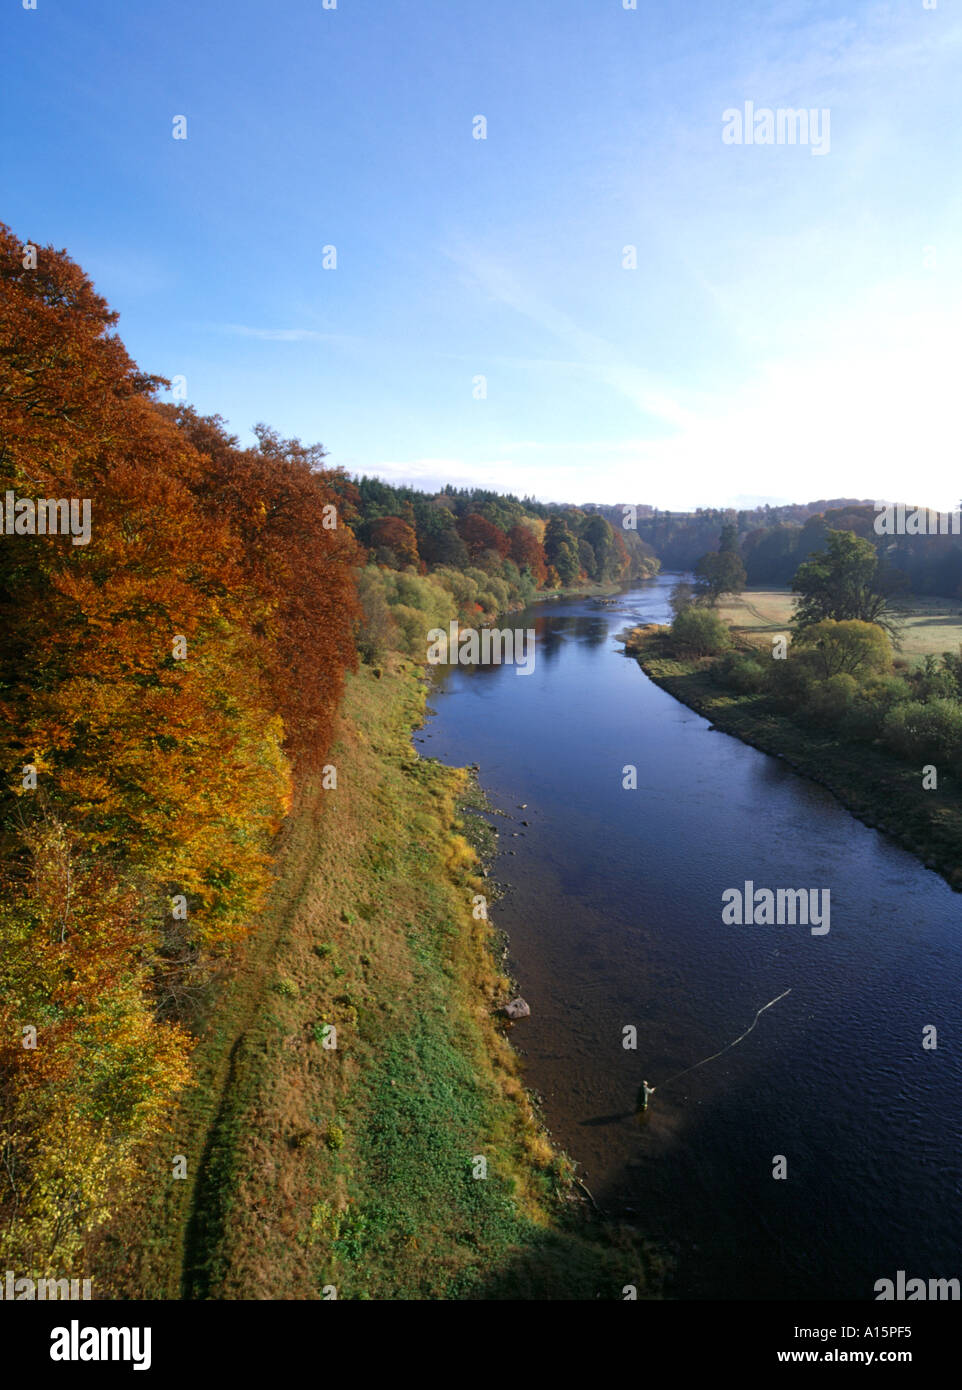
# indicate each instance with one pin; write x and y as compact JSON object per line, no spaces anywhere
{"x":791,"y":329}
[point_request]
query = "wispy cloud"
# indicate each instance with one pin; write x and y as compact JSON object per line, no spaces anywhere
{"x":282,"y":335}
{"x":591,"y":352}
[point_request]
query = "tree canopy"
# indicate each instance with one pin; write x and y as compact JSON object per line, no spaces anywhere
{"x":839,"y":582}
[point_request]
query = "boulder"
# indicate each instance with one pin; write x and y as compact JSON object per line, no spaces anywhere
{"x":518,"y":1008}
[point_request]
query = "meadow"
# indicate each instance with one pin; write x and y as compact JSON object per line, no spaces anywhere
{"x":928,"y":626}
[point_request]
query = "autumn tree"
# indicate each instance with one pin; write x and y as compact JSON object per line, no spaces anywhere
{"x":396,"y":538}
{"x":296,"y":551}
{"x":480,"y":535}
{"x":527,"y":551}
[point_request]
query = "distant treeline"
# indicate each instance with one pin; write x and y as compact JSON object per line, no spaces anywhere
{"x":472,"y":554}
{"x":773,"y":542}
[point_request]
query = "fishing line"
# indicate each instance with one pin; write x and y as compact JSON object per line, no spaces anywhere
{"x":724,"y":1049}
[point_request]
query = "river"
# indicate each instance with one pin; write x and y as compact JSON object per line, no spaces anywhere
{"x":613,"y":908}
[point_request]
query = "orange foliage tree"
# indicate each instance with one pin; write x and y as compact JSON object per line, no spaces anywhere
{"x":398,"y":536}
{"x":297,"y":555}
{"x":526,"y":549}
{"x":480,"y":535}
{"x":153,"y":681}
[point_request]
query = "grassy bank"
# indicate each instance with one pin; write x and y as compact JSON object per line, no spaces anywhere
{"x":880,"y":789}
{"x":356,"y":1167}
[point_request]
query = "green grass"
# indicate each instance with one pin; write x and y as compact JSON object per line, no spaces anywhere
{"x":932,"y":626}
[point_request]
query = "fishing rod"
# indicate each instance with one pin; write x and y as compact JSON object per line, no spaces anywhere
{"x":651,"y":1089}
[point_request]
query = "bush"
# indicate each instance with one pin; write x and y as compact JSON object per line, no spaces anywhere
{"x":699,"y":632}
{"x":527,"y":588}
{"x":831,"y":701}
{"x":461,"y":586}
{"x":741,"y":673}
{"x":925,"y":732}
{"x":933,"y":682}
{"x":886,"y":691}
{"x":792,"y":683}
{"x":412,"y":630}
{"x":850,"y":647}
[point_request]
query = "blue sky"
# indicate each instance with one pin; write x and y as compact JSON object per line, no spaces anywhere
{"x":792,"y":330}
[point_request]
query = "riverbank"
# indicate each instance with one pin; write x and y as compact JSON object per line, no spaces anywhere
{"x":407,"y":1162}
{"x":875,"y":786}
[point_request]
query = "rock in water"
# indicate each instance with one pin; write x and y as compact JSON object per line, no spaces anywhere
{"x":517,"y":1009}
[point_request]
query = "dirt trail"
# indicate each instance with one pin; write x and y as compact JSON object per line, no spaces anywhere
{"x":297,"y":856}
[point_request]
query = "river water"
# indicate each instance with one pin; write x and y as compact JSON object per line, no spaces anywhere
{"x":614,"y":913}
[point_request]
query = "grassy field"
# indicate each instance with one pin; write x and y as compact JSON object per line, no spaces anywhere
{"x":929,"y":625}
{"x":358,"y":1167}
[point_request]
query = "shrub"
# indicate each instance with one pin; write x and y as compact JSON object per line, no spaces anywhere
{"x":933,"y":682}
{"x":849,"y":647}
{"x":791,"y":683}
{"x":887,"y":691}
{"x":741,"y":673}
{"x":925,"y":731}
{"x":831,"y":701}
{"x":527,"y":587}
{"x":700,"y":632}
{"x":501,"y":591}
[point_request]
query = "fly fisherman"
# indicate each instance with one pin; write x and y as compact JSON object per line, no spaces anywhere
{"x":644,"y":1092}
